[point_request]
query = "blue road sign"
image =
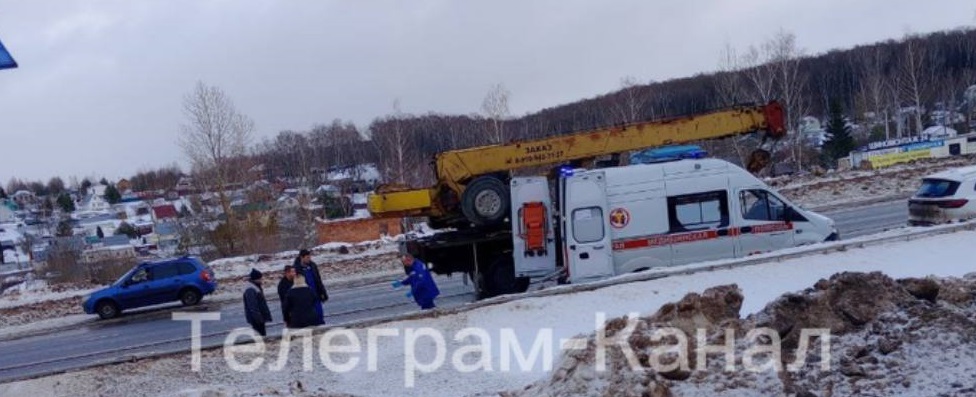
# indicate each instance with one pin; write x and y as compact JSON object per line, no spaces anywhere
{"x":6,"y":60}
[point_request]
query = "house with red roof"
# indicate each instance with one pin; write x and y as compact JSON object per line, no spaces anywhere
{"x":165,"y":212}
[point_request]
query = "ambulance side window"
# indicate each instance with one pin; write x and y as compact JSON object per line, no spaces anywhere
{"x":759,"y":205}
{"x":698,"y":211}
{"x":588,"y":224}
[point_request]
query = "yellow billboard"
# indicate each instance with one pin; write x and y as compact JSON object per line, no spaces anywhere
{"x":887,"y":160}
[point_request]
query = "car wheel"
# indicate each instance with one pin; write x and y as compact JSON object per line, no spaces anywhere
{"x":190,"y":297}
{"x":107,"y":310}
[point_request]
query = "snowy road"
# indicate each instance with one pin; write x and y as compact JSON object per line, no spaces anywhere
{"x":875,"y":218}
{"x":155,"y":331}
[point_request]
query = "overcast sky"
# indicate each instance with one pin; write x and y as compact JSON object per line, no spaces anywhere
{"x":100,"y":83}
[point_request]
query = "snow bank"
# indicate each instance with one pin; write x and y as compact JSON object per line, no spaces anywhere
{"x":33,"y":291}
{"x":850,"y":187}
{"x":334,"y":260}
{"x":565,"y":316}
{"x":887,"y":338}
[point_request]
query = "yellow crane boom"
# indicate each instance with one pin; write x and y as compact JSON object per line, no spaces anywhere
{"x":486,"y":167}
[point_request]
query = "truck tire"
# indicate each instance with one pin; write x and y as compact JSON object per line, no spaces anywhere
{"x":502,"y":280}
{"x":485,"y":201}
{"x":481,"y":286}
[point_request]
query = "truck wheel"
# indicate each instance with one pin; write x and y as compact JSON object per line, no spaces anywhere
{"x":503,"y":276}
{"x":481,"y":286}
{"x":485,"y":201}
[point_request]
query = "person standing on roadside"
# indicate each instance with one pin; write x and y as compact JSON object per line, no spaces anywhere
{"x":256,"y":310}
{"x":305,"y":267}
{"x":423,"y":289}
{"x":287,"y":280}
{"x":300,"y":302}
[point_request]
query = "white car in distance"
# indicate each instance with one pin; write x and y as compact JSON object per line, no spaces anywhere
{"x":945,"y":197}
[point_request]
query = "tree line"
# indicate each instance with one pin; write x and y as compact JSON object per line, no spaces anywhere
{"x":871,"y":85}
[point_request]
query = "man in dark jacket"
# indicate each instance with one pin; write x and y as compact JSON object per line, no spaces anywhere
{"x":287,"y":280}
{"x":305,"y":267}
{"x":300,"y":303}
{"x":255,"y":306}
{"x":423,"y":289}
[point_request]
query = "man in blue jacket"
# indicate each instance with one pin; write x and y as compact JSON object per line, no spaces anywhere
{"x":423,"y":289}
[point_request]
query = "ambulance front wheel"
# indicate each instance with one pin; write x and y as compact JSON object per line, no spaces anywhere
{"x":485,"y":201}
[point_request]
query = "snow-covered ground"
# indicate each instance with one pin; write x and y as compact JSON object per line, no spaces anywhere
{"x":565,"y":316}
{"x":325,"y":254}
{"x":854,"y":186}
{"x":35,"y":301}
{"x":35,"y":291}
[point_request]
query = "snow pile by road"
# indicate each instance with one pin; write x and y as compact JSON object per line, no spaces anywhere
{"x":887,"y":337}
{"x":334,"y":260}
{"x":326,"y":253}
{"x":568,"y":316}
{"x":854,"y":186}
{"x":33,"y":290}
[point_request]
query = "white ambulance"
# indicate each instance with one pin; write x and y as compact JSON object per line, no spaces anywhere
{"x":619,"y":220}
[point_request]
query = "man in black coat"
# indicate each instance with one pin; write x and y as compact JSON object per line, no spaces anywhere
{"x":300,"y":303}
{"x":287,"y":280}
{"x":255,"y":306}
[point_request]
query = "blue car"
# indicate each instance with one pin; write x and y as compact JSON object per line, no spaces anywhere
{"x":185,"y":279}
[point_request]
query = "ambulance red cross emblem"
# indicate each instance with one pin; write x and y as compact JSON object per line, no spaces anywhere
{"x":619,"y":218}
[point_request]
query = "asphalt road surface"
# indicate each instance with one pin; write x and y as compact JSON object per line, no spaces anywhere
{"x":875,"y":218}
{"x":155,"y":331}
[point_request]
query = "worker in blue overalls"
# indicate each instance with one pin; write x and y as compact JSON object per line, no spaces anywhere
{"x":423,"y":289}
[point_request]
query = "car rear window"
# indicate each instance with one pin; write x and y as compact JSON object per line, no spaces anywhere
{"x":937,"y":188}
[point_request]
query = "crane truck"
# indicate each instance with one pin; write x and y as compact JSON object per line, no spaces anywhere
{"x":569,"y":223}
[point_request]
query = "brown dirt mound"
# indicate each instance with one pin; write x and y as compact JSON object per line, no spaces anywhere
{"x":887,"y":337}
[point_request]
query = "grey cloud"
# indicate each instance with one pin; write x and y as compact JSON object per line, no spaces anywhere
{"x":99,"y":86}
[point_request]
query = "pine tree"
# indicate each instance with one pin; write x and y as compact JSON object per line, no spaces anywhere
{"x":112,"y":194}
{"x":99,"y":232}
{"x":85,"y":185}
{"x":66,"y":203}
{"x":3,"y":194}
{"x":104,"y":182}
{"x":839,"y":141}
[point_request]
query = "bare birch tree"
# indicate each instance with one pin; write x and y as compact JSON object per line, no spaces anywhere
{"x":913,"y":77}
{"x":629,"y":102}
{"x":729,"y":85}
{"x":398,"y":157}
{"x":495,"y":108}
{"x":759,"y":72}
{"x":872,"y":85}
{"x":784,"y":56}
{"x":214,"y":135}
